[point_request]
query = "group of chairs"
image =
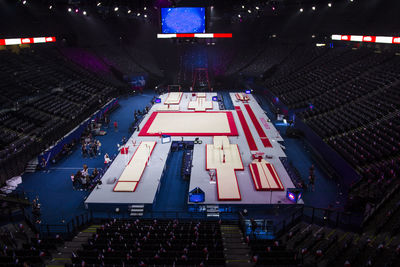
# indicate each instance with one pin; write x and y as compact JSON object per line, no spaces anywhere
{"x":47,"y":96}
{"x":312,"y":245}
{"x":153,"y":242}
{"x":17,"y":249}
{"x":351,"y":99}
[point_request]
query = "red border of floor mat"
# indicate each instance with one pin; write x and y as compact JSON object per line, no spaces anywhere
{"x":153,"y":116}
{"x":246,"y":129}
{"x":260,"y":131}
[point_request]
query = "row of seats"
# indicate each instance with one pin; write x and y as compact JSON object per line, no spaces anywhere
{"x":43,"y":97}
{"x":148,"y":242}
{"x":312,"y":245}
{"x":351,"y":99}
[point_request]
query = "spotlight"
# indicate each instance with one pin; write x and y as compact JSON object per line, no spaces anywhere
{"x":273,"y":8}
{"x":301,"y":10}
{"x":313,"y":8}
{"x":145,"y":15}
{"x":145,"y":8}
{"x":84,"y":13}
{"x":329,"y":4}
{"x":76,"y":10}
{"x":69,"y":9}
{"x":239,"y":16}
{"x":242,"y":6}
{"x":116,"y":9}
{"x":24,"y":2}
{"x":99,"y":4}
{"x":257,"y":8}
{"x":351,"y":0}
{"x":50,"y":7}
{"x":138,"y":14}
{"x":249,"y":10}
{"x":129,"y":11}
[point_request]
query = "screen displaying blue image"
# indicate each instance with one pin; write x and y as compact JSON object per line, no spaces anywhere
{"x":183,"y":20}
{"x":196,"y":198}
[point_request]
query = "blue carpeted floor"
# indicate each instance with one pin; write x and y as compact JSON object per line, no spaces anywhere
{"x":297,"y":150}
{"x":60,"y":202}
{"x":173,"y":190}
{"x":54,"y":187}
{"x":227,"y":100}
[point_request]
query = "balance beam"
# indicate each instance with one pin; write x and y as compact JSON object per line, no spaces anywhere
{"x":133,"y":172}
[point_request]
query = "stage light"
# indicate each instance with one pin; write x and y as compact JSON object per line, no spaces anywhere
{"x":313,"y":36}
{"x":129,"y":11}
{"x":76,"y":10}
{"x":138,"y":14}
{"x":249,"y":11}
{"x":116,"y":9}
{"x":257,"y":8}
{"x":50,"y":7}
{"x":145,"y":15}
{"x":273,"y":8}
{"x":301,"y":10}
{"x":84,"y":13}
{"x":69,"y":9}
{"x":239,"y":16}
{"x":242,"y":6}
{"x":24,"y":2}
{"x":313,"y":8}
{"x":329,"y":4}
{"x":145,"y":8}
{"x":99,"y":4}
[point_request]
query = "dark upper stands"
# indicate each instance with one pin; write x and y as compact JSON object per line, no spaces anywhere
{"x":312,"y":245}
{"x":19,"y":248}
{"x":43,"y":96}
{"x":351,"y":99}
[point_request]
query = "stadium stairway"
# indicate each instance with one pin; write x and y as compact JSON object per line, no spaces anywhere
{"x":31,"y":166}
{"x":236,"y":251}
{"x":65,"y":253}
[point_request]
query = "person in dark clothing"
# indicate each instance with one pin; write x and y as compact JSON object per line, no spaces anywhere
{"x":253,"y":227}
{"x":311,"y":179}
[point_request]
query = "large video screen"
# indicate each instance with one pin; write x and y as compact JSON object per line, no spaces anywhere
{"x":183,"y":20}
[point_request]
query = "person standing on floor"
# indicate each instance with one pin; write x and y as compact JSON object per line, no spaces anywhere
{"x":311,"y":179}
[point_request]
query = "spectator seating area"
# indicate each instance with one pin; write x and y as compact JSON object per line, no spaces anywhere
{"x":19,"y":248}
{"x":148,"y":242}
{"x":113,"y":56}
{"x":43,"y":96}
{"x":144,"y":58}
{"x":273,"y":54}
{"x":312,"y":245}
{"x":351,"y":99}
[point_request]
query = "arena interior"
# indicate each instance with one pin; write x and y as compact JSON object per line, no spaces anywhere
{"x":200,"y":133}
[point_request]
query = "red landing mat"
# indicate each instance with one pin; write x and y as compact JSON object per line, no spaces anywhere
{"x":246,"y":129}
{"x":259,"y":129}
